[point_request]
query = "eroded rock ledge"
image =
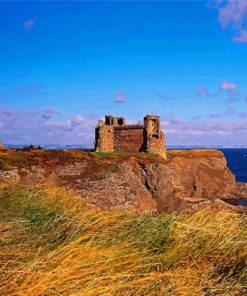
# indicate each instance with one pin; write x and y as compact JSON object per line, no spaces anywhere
{"x":187,"y":180}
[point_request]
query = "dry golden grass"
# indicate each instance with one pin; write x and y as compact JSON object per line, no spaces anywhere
{"x":52,"y":243}
{"x":18,"y":158}
{"x":195,"y":153}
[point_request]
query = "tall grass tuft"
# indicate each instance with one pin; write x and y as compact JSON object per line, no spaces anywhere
{"x":53,"y":243}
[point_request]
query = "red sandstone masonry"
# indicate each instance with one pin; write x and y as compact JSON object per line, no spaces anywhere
{"x":114,"y":135}
{"x":128,"y":139}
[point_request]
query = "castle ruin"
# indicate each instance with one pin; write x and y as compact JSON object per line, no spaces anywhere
{"x":114,"y":134}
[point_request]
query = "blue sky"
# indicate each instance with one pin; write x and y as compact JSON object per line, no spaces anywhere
{"x":63,"y":65}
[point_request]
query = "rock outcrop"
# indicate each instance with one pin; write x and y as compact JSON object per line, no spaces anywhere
{"x":189,"y":178}
{"x":138,"y":182}
{"x":242,"y":190}
{"x":186,"y":180}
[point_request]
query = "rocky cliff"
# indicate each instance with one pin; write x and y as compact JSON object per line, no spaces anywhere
{"x":138,"y":182}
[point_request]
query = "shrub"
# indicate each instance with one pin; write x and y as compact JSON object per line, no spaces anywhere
{"x":3,"y":165}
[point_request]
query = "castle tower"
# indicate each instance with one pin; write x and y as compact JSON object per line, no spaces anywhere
{"x":104,"y":133}
{"x":154,"y":137}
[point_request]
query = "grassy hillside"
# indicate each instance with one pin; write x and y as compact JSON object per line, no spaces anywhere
{"x":55,"y":244}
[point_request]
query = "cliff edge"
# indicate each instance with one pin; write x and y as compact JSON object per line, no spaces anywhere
{"x":186,"y":180}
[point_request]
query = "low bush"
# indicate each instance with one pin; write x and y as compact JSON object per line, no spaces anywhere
{"x":3,"y":165}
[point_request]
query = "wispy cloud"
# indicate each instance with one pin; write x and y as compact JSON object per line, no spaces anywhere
{"x":47,"y":114}
{"x":233,"y":13}
{"x":163,"y":96}
{"x":215,"y":115}
{"x":29,"y":127}
{"x":242,"y":38}
{"x":120,"y":97}
{"x":76,"y":121}
{"x":43,"y":127}
{"x":197,"y":117}
{"x":30,"y":87}
{"x":202,"y":90}
{"x":29,"y":24}
{"x":230,"y":111}
{"x":230,"y":88}
{"x":207,"y":133}
{"x":91,"y":116}
{"x":242,"y":114}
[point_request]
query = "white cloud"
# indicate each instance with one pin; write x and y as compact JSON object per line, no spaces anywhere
{"x":41,"y":127}
{"x":207,"y":133}
{"x":28,"y":127}
{"x":227,"y":86}
{"x":231,"y":90}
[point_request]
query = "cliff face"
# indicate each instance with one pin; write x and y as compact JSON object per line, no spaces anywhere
{"x":186,"y":180}
{"x":242,"y":190}
{"x":189,"y":180}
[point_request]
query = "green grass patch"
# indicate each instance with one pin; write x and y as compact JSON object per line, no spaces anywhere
{"x":118,"y":153}
{"x":48,"y":222}
{"x":149,"y":233}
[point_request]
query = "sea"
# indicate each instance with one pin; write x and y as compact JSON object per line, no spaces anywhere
{"x":236,"y":157}
{"x":237,"y":162}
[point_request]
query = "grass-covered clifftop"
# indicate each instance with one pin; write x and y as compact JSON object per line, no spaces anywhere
{"x":52,"y":243}
{"x":23,"y":158}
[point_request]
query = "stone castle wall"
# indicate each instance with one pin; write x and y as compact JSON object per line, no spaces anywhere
{"x":129,"y":139}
